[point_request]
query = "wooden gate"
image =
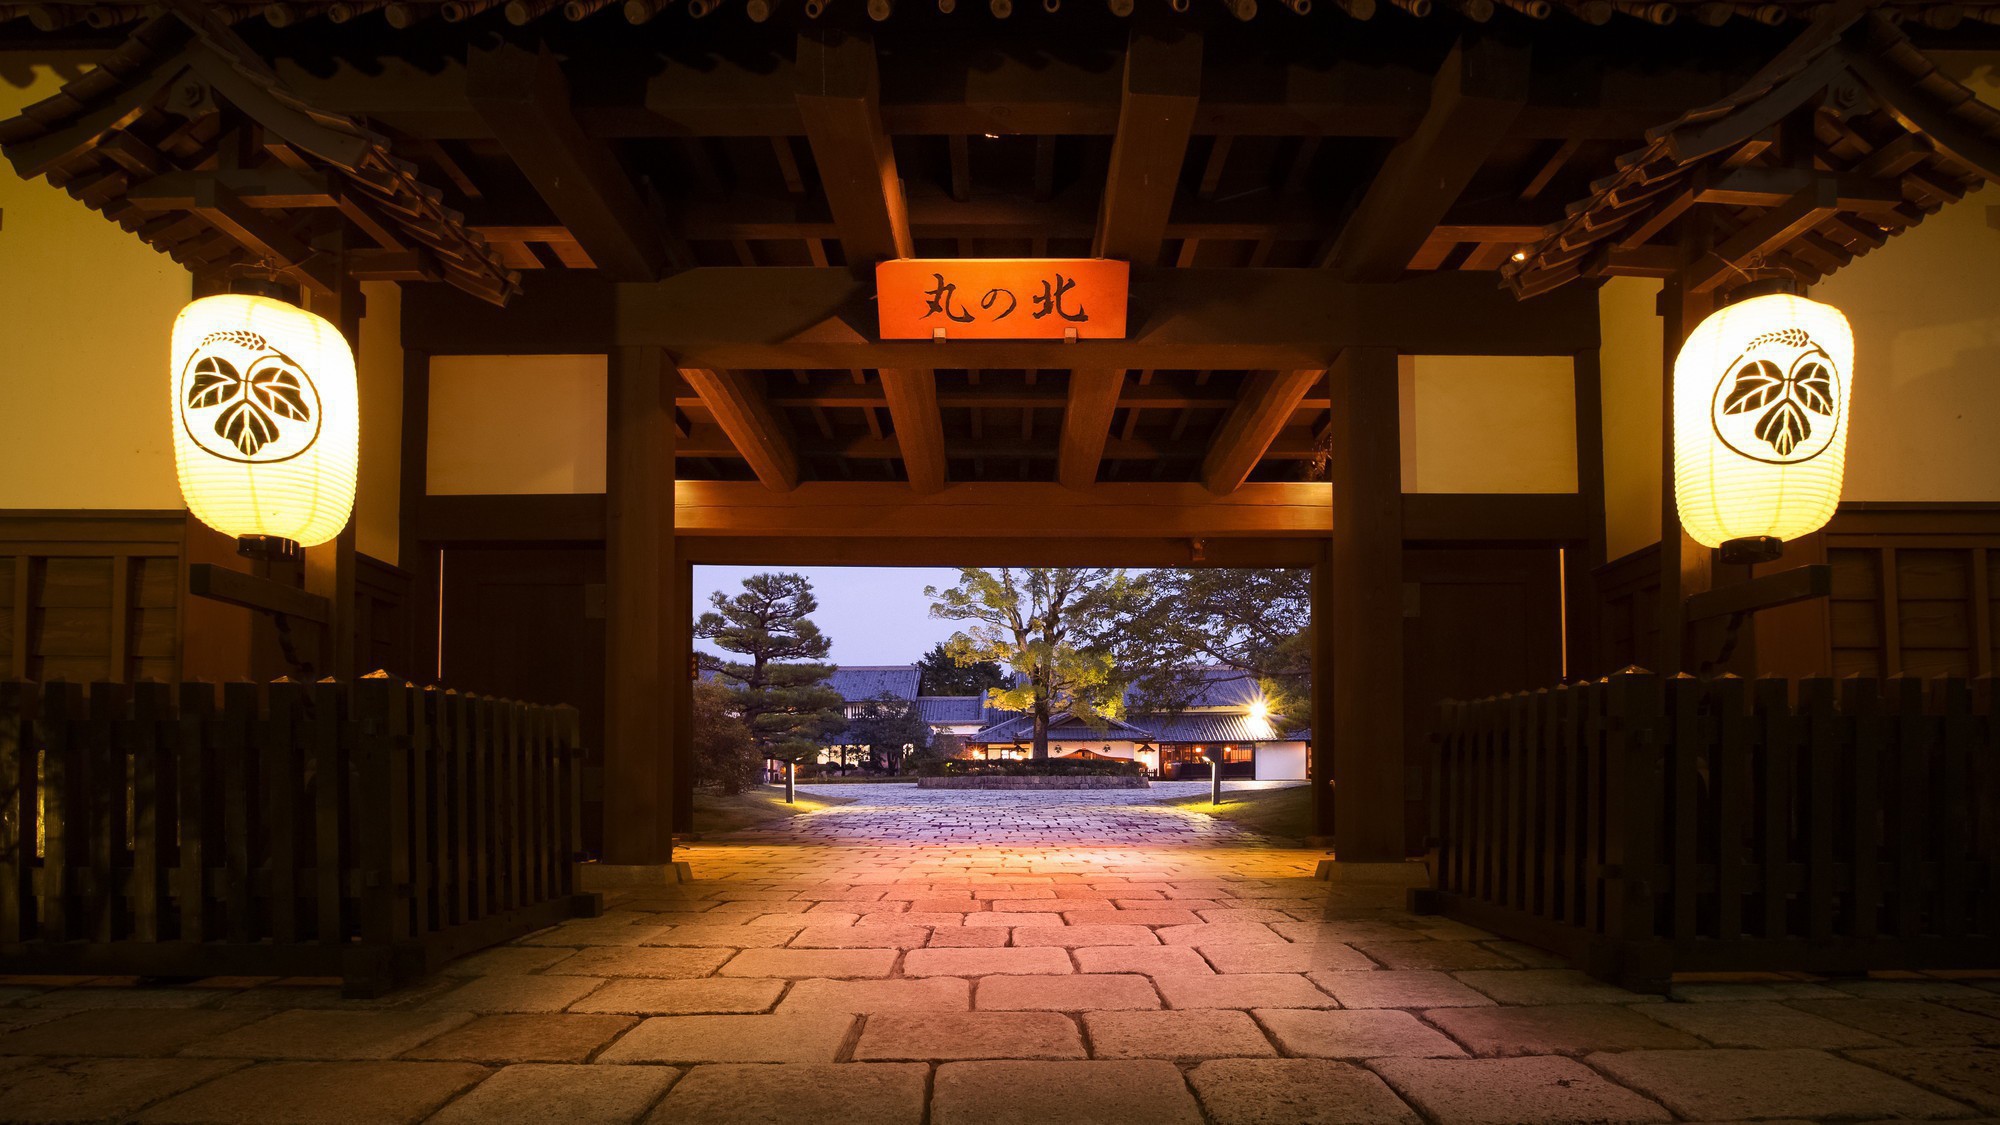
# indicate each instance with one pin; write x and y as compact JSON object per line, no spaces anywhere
{"x":367,"y":830}
{"x":1643,"y":826}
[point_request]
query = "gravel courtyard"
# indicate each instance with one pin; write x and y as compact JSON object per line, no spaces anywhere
{"x":1204,"y":977}
{"x":905,"y":814}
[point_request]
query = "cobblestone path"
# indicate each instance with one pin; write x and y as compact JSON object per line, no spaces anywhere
{"x":976,"y":983}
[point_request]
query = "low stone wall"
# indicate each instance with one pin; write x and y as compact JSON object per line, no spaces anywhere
{"x":1093,"y":781}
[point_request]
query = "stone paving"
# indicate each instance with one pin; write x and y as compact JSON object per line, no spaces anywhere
{"x":979,"y":985}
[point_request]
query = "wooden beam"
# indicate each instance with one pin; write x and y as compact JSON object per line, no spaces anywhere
{"x":1086,"y":425}
{"x":1156,"y":108}
{"x":802,"y":318}
{"x":1362,"y":607}
{"x":496,"y":520}
{"x":525,"y":102}
{"x":1264,"y":407}
{"x":1475,"y":97}
{"x":207,"y":580}
{"x":913,"y":410}
{"x":1764,"y":235}
{"x":1770,"y":187}
{"x":759,"y":435}
{"x":1111,"y":510}
{"x":1013,"y":550}
{"x":261,"y":237}
{"x":272,"y":188}
{"x":840,"y":106}
{"x":1797,"y":584}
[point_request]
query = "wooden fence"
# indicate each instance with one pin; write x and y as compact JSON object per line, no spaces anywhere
{"x":1643,"y":827}
{"x":368,"y":830}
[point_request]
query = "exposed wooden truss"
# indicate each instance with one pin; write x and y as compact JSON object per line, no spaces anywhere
{"x":398,"y":15}
{"x":1849,"y":138}
{"x":186,"y":138}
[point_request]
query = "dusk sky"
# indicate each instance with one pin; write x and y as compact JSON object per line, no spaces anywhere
{"x":875,"y":615}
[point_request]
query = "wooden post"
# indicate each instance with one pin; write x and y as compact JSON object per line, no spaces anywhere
{"x":1362,"y":606}
{"x":1582,"y":558}
{"x":638,"y":761}
{"x":421,"y":559}
{"x":329,"y":567}
{"x":1323,"y":630}
{"x":678,"y":683}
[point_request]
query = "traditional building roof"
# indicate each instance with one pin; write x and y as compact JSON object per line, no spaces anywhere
{"x":1850,"y":97}
{"x":186,"y":138}
{"x":952,"y":708}
{"x":400,"y":15}
{"x":857,"y":683}
{"x":1143,"y":727}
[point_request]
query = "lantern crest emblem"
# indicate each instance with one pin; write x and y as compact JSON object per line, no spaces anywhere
{"x":1778,"y":402}
{"x":243,"y":400}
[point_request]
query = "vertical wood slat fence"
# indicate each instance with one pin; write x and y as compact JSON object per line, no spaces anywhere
{"x":368,"y":830}
{"x":1643,"y":826}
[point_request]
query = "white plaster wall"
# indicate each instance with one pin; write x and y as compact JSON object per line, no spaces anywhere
{"x":1281,"y":761}
{"x":516,"y":424}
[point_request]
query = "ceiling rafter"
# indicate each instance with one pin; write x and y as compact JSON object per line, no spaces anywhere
{"x":1478,"y":91}
{"x":525,"y":101}
{"x":840,"y":101}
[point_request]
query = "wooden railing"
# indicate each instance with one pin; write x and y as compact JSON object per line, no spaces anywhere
{"x":1643,"y":826}
{"x":367,"y":830}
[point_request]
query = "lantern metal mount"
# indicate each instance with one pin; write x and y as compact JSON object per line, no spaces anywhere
{"x":1753,"y":549}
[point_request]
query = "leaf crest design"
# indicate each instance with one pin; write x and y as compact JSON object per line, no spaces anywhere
{"x":1812,"y":381}
{"x":1784,"y":427}
{"x":278,"y":389}
{"x":246,"y":426}
{"x":215,"y":382}
{"x":1783,"y":401}
{"x":1758,"y":384}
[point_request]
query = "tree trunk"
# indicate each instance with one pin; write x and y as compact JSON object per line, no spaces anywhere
{"x":1041,"y":751}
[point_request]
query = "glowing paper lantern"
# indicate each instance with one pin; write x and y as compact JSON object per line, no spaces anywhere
{"x":266,"y":420}
{"x":1761,"y":395}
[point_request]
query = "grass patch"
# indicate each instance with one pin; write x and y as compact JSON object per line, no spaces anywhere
{"x":1283,"y":812}
{"x":716,"y":812}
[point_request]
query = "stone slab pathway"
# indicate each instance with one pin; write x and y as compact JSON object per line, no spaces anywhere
{"x":1210,"y":981}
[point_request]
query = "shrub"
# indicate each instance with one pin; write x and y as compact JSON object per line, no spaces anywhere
{"x":1054,"y":767}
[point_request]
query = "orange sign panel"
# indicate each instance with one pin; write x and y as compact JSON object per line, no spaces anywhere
{"x":1002,"y":298}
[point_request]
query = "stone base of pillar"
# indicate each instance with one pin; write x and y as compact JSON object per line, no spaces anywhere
{"x":1410,"y":873}
{"x":631,"y":876}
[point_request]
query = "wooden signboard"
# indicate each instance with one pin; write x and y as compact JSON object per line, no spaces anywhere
{"x":1002,"y":298}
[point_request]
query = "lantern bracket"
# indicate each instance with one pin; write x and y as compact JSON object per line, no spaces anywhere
{"x":1800,"y":583}
{"x":1753,"y":549}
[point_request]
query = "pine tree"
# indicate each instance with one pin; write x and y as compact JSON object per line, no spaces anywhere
{"x":941,"y":675}
{"x":779,"y":690}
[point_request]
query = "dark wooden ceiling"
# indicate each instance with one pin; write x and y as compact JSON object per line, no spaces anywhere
{"x":568,"y":141}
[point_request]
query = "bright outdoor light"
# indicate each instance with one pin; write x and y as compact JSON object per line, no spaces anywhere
{"x":1760,"y":423}
{"x":266,"y":419}
{"x":1260,"y":709}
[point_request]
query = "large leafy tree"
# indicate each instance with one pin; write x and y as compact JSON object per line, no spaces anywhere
{"x":890,"y":728}
{"x":1045,"y":623}
{"x":939,"y":674}
{"x":1257,"y":622}
{"x":778,"y":689}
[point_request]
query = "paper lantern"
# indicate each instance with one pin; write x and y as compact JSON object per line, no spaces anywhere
{"x":1761,"y":394}
{"x":266,"y":420}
